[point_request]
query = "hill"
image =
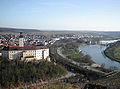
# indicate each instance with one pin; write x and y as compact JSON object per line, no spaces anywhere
{"x":17,"y":72}
{"x":18,"y":30}
{"x":113,"y":51}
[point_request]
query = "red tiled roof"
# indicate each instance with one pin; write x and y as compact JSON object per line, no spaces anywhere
{"x":4,"y":45}
{"x":24,"y":48}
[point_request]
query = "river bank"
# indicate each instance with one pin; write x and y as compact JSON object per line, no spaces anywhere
{"x":113,"y":51}
{"x":96,"y":53}
{"x":114,"y":59}
{"x":89,"y":75}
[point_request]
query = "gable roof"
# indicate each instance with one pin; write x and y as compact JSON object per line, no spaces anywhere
{"x":24,"y":48}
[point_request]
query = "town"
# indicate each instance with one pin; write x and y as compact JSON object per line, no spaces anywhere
{"x":59,"y":44}
{"x":61,"y":48}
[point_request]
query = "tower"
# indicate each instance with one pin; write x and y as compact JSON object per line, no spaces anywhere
{"x":21,"y":40}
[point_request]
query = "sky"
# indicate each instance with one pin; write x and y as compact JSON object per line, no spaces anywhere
{"x":99,"y":15}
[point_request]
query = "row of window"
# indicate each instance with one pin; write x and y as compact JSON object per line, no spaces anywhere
{"x":31,"y":51}
{"x":29,"y":54}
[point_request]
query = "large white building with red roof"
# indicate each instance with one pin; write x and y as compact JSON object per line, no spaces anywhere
{"x":25,"y":52}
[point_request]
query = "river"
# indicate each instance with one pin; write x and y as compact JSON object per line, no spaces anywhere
{"x":97,"y":55}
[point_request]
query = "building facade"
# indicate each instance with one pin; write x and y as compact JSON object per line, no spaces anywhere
{"x":26,"y":53}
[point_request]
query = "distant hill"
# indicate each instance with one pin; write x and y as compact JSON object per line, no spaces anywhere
{"x":110,"y":33}
{"x":17,"y":30}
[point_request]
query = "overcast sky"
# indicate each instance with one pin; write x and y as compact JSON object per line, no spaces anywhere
{"x":61,"y":14}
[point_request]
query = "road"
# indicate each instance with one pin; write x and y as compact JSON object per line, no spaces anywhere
{"x":78,"y":64}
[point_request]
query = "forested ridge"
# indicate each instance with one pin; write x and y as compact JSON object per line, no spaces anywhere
{"x":16,"y":72}
{"x":113,"y":51}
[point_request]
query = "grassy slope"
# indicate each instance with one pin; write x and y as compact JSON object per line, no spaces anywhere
{"x":117,"y":53}
{"x":113,"y":53}
{"x":72,"y":54}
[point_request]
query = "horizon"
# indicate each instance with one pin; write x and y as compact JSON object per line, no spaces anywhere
{"x":63,"y":30}
{"x":90,"y":15}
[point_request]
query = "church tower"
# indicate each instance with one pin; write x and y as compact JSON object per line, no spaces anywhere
{"x":21,"y":40}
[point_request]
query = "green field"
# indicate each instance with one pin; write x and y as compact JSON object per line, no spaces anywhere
{"x":113,"y":52}
{"x":117,"y":53}
{"x":72,"y":54}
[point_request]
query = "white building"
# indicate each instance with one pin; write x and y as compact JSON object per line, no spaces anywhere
{"x":25,"y":52}
{"x":107,"y":42}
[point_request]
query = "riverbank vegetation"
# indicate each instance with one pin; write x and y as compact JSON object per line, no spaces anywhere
{"x":14,"y":73}
{"x":71,"y":50}
{"x":88,"y":75}
{"x":113,"y":51}
{"x":68,"y":64}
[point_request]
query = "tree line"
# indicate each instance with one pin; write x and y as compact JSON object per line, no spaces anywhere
{"x":15,"y":72}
